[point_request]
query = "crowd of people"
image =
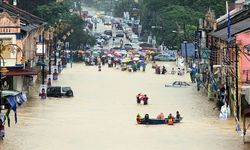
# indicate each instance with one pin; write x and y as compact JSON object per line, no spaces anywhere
{"x":163,"y":70}
{"x":132,"y":61}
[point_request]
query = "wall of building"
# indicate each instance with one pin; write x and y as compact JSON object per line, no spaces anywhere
{"x":244,"y":68}
{"x":9,"y":33}
{"x":29,"y":45}
{"x":18,"y":83}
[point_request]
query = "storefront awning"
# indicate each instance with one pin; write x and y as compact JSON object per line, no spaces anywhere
{"x":22,"y":72}
{"x":235,"y":29}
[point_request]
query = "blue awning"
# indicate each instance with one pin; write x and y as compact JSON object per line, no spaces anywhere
{"x":15,"y":99}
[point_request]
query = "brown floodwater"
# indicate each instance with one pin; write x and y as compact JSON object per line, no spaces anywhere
{"x":101,"y":116}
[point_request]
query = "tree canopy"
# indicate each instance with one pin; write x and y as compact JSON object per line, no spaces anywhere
{"x":171,"y":15}
{"x":64,"y":22}
{"x":31,"y":5}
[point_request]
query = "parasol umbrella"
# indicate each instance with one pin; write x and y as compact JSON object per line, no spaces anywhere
{"x":129,"y":53}
{"x":123,"y":52}
{"x":125,"y":60}
{"x":151,"y":52}
{"x":110,"y":55}
{"x":136,"y":59}
{"x":137,"y":55}
{"x":141,"y":96}
{"x":117,"y":54}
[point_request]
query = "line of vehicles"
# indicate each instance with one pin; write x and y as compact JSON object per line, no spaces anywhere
{"x":120,"y":29}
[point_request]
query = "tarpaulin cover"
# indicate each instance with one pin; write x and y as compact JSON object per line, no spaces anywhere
{"x":15,"y":101}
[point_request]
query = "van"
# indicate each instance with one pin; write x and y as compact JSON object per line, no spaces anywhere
{"x":59,"y":91}
{"x":134,"y":38}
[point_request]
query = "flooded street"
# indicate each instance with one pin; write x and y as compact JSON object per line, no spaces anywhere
{"x":102,"y":116}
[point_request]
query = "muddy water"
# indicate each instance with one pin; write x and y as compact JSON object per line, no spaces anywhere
{"x":101,"y":116}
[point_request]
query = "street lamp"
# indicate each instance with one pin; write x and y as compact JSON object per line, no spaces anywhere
{"x":50,"y":48}
{"x":43,"y":59}
{"x":185,"y":42}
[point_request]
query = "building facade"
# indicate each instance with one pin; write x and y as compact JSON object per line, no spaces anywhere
{"x":19,"y":31}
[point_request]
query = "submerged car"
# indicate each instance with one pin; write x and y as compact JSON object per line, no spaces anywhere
{"x":162,"y":57}
{"x":59,"y":91}
{"x":178,"y":84}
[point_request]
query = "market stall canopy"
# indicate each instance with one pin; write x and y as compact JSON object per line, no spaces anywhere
{"x":13,"y":99}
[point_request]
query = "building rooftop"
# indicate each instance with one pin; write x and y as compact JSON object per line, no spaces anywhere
{"x":239,"y":22}
{"x":28,"y":20}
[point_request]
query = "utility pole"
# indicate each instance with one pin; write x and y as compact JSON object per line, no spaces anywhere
{"x":55,"y":51}
{"x":71,"y":62}
{"x":1,"y":103}
{"x":43,"y":57}
{"x":50,"y":53}
{"x":1,"y":47}
{"x":237,"y":82}
{"x":185,"y":42}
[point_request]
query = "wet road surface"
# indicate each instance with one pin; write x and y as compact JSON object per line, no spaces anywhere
{"x":102,"y":116}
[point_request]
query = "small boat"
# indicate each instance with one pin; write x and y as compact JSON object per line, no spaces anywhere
{"x":157,"y":121}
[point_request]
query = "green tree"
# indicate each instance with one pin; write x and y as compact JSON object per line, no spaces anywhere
{"x":58,"y":16}
{"x":31,"y":5}
{"x":124,"y":6}
{"x":52,"y":12}
{"x":173,"y":13}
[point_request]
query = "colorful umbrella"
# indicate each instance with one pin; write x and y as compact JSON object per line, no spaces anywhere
{"x":136,"y":59}
{"x":124,"y":52}
{"x":137,"y":55}
{"x":117,"y":54}
{"x":110,"y":55}
{"x":125,"y":60}
{"x":129,"y":53}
